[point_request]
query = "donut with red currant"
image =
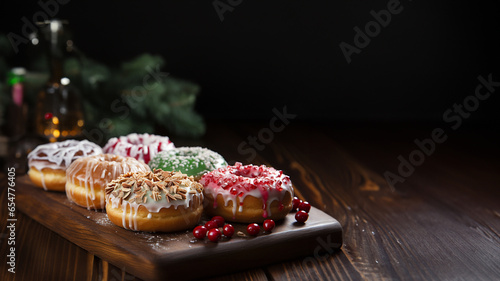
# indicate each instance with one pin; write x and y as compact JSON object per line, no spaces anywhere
{"x":247,"y":193}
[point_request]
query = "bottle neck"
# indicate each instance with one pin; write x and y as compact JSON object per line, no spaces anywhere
{"x":56,"y":52}
{"x":56,"y":70}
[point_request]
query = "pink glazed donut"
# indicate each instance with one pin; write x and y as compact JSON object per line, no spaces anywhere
{"x":139,"y":146}
{"x":247,"y":193}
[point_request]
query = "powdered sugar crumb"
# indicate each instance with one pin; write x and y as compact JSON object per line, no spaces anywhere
{"x":104,"y":221}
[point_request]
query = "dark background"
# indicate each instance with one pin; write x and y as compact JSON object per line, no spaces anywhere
{"x":271,"y":54}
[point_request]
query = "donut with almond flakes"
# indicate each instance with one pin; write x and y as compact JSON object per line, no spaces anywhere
{"x":159,"y":201}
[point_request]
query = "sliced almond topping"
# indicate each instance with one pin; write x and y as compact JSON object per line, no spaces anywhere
{"x":135,"y":187}
{"x":163,"y":188}
{"x":109,"y":189}
{"x":126,"y":195}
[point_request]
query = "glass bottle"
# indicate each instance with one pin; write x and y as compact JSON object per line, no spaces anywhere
{"x":21,"y":141}
{"x":18,"y":109}
{"x":59,"y":113}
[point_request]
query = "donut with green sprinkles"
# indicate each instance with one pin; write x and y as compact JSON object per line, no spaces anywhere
{"x":192,"y":161}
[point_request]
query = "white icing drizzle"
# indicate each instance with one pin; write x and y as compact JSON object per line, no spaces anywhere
{"x":97,"y":171}
{"x":240,"y":181}
{"x":59,"y":155}
{"x":151,"y":205}
{"x":139,"y":146}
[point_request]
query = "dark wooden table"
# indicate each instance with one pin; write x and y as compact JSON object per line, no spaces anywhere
{"x":441,"y":223}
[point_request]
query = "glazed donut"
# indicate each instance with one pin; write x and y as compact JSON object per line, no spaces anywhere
{"x":139,"y":146}
{"x":48,"y":162}
{"x":154,"y":201}
{"x":192,"y":161}
{"x":87,"y":177}
{"x":247,"y":193}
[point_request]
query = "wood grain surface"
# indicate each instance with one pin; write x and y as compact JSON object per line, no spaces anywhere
{"x":441,"y":223}
{"x":170,"y":256}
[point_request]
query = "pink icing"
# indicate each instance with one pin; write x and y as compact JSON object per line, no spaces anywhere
{"x":139,"y":146}
{"x":238,"y":180}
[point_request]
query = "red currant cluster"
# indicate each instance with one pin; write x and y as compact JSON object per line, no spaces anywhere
{"x":214,"y":234}
{"x":253,"y":229}
{"x":216,"y":227}
{"x":212,"y":231}
{"x":303,"y":209}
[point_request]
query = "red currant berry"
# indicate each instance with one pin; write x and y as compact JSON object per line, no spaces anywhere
{"x":200,"y":232}
{"x":228,"y":230}
{"x":211,"y":224}
{"x":295,"y":203}
{"x":301,"y":216}
{"x":268,"y":225}
{"x":48,"y":116}
{"x":214,"y":234}
{"x":220,"y":220}
{"x":305,"y":206}
{"x":253,"y":229}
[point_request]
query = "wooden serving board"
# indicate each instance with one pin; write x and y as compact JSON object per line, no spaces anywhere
{"x":176,"y":256}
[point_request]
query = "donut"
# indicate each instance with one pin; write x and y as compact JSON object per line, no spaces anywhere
{"x":87,"y":177}
{"x":139,"y":146}
{"x":247,"y":193}
{"x":192,"y":161}
{"x":159,"y":201}
{"x":48,"y":162}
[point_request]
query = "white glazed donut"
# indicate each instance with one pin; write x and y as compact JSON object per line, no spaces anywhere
{"x":139,"y":146}
{"x":87,"y":177}
{"x":247,"y":193}
{"x":48,"y":162}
